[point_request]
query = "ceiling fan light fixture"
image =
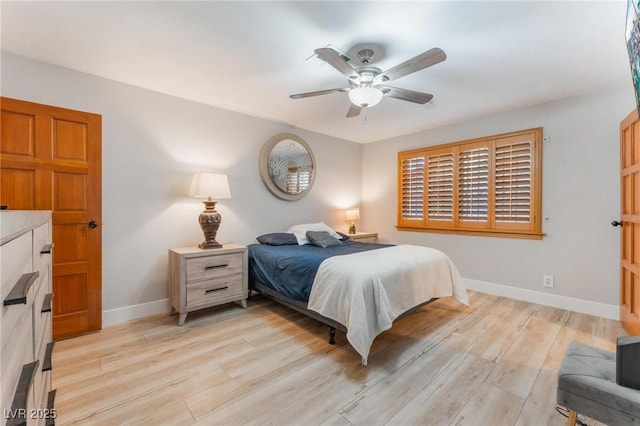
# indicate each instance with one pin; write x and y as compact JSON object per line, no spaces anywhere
{"x":365,"y":97}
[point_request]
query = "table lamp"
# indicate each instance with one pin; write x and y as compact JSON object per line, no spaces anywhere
{"x":212,"y":186}
{"x":352,"y":216}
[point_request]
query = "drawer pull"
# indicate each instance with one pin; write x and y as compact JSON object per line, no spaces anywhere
{"x":216,"y":289}
{"x":46,"y":249}
{"x":46,"y":364}
{"x":206,"y":268}
{"x":18,"y":414}
{"x":46,"y":304}
{"x":51,"y":398}
{"x":18,"y":293}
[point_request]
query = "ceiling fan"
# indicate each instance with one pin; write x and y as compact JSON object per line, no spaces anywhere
{"x":368,"y":84}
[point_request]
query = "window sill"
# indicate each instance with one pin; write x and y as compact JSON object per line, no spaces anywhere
{"x":478,"y":233}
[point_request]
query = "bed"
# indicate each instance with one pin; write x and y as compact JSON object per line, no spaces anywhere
{"x":359,"y":288}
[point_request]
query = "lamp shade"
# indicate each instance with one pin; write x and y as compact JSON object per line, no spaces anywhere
{"x":365,"y":96}
{"x":213,"y":185}
{"x":352,"y":214}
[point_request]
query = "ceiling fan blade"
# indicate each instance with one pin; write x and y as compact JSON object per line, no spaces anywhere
{"x":354,"y":111}
{"x":317,"y":93}
{"x":424,"y":60}
{"x":337,"y":61}
{"x":407,"y":95}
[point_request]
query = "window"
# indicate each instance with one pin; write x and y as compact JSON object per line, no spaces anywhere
{"x":298,"y":178}
{"x":489,"y":186}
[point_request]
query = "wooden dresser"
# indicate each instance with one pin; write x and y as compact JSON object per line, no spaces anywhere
{"x":25,"y":331}
{"x":202,"y":278}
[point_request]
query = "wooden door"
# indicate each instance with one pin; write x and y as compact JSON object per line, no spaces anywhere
{"x":50,"y":159}
{"x":630,"y":209}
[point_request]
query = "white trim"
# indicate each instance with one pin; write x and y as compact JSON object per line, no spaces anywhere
{"x":569,"y":303}
{"x":119,"y":315}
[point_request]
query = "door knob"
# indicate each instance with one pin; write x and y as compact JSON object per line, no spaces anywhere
{"x":616,"y":223}
{"x":93,"y":224}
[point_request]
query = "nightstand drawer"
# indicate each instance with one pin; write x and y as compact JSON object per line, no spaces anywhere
{"x":200,"y":278}
{"x":214,"y":289}
{"x":199,"y":268}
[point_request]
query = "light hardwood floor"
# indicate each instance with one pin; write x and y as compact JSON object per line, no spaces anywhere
{"x":493,"y":363}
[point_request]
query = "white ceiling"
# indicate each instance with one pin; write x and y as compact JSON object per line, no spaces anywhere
{"x":250,"y":56}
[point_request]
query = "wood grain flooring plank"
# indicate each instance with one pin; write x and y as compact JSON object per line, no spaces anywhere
{"x":114,"y":387}
{"x":440,"y":401}
{"x":607,"y":331}
{"x":269,"y":401}
{"x":494,"y":344}
{"x":398,"y":388}
{"x":493,"y":406}
{"x":249,"y":382}
{"x":517,"y":371}
{"x":492,"y":363}
{"x":336,"y":420}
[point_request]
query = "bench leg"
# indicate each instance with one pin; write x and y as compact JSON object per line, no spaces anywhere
{"x":572,"y":418}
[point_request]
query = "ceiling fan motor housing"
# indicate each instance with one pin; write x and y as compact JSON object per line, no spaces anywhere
{"x":365,"y":56}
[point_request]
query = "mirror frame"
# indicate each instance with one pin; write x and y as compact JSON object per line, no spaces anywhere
{"x":263,"y":165}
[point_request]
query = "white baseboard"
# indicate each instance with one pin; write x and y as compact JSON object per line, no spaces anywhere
{"x":118,"y":315}
{"x":569,"y":303}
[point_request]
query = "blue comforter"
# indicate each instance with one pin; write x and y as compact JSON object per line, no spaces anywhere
{"x":291,"y":269}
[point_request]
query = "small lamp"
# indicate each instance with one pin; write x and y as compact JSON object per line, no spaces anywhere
{"x":352,"y":216}
{"x":212,"y":186}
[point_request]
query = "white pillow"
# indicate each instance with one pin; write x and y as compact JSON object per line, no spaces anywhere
{"x":300,"y":231}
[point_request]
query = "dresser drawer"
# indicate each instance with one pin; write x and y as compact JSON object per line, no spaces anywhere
{"x":16,"y":258}
{"x":41,"y":320}
{"x":215,"y":289}
{"x":42,"y":378}
{"x":199,"y":268}
{"x":41,"y":240}
{"x":17,"y":347}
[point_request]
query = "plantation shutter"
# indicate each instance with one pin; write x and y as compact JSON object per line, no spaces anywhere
{"x":440,"y":184}
{"x":514,"y":183}
{"x":473,"y":186}
{"x":297,"y":180}
{"x":485,"y":186}
{"x":411,"y":188}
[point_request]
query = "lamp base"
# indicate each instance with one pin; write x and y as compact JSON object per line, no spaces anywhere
{"x":352,"y":228}
{"x":209,"y":222}
{"x":206,"y":245}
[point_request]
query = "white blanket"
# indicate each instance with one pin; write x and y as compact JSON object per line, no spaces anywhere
{"x":366,"y":291}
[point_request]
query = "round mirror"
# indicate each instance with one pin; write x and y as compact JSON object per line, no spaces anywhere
{"x":287,"y":166}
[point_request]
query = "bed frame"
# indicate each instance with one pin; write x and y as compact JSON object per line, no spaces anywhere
{"x":301,"y":307}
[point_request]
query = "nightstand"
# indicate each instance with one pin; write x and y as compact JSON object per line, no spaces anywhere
{"x":364,"y":237}
{"x":202,"y":278}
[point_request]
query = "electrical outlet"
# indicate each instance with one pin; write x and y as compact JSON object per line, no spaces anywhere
{"x":547,"y":281}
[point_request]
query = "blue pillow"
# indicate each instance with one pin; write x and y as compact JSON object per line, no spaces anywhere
{"x":278,"y":239}
{"x":322,"y":239}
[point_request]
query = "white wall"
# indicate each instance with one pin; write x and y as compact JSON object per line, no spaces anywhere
{"x":152,"y":144}
{"x":581,"y":196}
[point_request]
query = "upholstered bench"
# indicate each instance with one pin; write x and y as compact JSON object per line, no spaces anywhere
{"x":587,"y":385}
